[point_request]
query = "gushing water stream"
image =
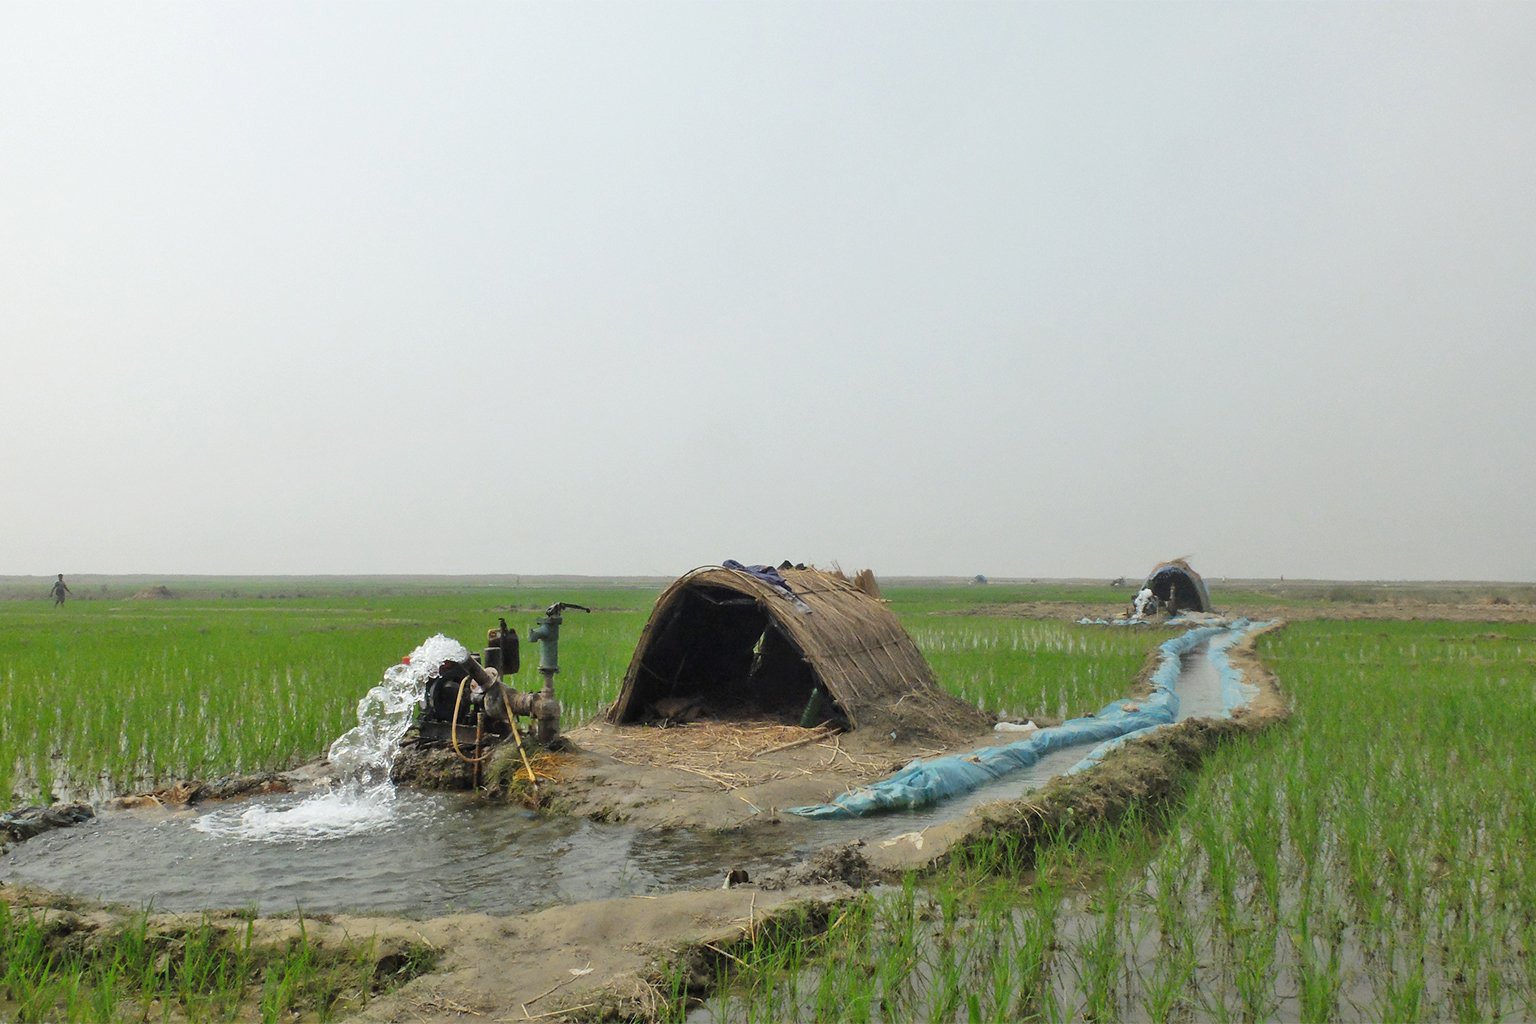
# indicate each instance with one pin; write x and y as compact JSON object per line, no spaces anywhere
{"x":363,"y":798}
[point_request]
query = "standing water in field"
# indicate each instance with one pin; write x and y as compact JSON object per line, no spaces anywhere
{"x":363,"y":798}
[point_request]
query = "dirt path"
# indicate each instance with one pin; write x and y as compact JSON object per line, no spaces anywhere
{"x":597,"y":960}
{"x":600,"y":960}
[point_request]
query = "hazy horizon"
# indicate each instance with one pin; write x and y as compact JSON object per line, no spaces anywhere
{"x":1029,"y":290}
{"x":627,"y":579}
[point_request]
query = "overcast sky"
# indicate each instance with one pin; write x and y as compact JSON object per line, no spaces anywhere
{"x":1024,"y":290}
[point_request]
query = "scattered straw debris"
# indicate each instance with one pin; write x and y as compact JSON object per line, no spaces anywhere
{"x":736,"y":754}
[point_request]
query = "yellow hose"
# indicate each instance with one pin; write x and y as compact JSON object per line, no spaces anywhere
{"x":453,"y":736}
{"x":453,"y":730}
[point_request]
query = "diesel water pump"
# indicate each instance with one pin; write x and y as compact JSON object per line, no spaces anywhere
{"x":469,"y":704}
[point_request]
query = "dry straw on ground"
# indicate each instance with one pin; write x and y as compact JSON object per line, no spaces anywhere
{"x":737,"y":754}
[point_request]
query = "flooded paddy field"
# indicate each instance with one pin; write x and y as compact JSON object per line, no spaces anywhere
{"x":1368,"y":861}
{"x":1160,"y":911}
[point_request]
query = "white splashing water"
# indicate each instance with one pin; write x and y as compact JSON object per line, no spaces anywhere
{"x":363,"y":798}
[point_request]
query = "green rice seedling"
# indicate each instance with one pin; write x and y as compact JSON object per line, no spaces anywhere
{"x":200,"y":973}
{"x":1213,"y":1003}
{"x":1164,"y":992}
{"x":1101,"y":959}
{"x":285,"y":982}
{"x":74,"y":994}
{"x":1033,"y":953}
{"x":1254,"y":970}
{"x":1001,"y":983}
{"x":779,"y":1001}
{"x":898,"y":921}
{"x":1220,"y":871}
{"x":27,"y":968}
{"x":1400,"y":996}
{"x":1256,"y":811}
{"x":1167,"y":882}
{"x":1318,"y":976}
{"x":946,"y":986}
{"x":1037,"y":928}
{"x":101,"y":1002}
{"x":1526,"y":938}
{"x":674,"y":987}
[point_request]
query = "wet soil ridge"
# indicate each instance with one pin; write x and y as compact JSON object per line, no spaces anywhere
{"x":27,"y":822}
{"x":628,"y":959}
{"x":189,"y":793}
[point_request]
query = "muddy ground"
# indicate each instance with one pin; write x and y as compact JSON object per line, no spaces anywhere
{"x":615,"y":959}
{"x":718,"y":776}
{"x":601,"y":960}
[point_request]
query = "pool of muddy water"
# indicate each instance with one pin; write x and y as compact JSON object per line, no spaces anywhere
{"x":439,"y":853}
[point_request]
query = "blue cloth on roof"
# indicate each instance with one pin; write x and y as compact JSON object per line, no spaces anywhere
{"x":767,"y":573}
{"x":771,"y":576}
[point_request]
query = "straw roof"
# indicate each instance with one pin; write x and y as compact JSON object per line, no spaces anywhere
{"x":726,"y":622}
{"x":1177,"y":577}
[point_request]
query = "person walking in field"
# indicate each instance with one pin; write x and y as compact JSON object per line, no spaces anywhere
{"x":60,"y":588}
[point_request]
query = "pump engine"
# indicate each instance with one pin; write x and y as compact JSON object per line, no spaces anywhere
{"x":468,"y":703}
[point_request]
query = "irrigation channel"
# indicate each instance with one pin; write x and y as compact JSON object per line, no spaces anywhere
{"x":427,"y":854}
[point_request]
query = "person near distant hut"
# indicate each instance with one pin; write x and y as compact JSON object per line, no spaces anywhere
{"x":60,"y":588}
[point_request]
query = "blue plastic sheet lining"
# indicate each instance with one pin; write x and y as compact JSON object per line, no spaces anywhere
{"x":1234,"y":692}
{"x":922,"y":783}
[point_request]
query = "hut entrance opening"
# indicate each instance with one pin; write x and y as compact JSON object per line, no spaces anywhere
{"x":720,"y":655}
{"x":1174,"y":590}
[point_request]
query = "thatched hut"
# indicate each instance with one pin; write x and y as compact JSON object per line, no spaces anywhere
{"x":1177,"y":586}
{"x":734,"y":644}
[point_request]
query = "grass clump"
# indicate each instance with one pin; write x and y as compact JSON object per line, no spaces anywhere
{"x":54,"y":967}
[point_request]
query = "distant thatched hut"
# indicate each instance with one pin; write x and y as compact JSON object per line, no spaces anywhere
{"x":735,"y":645}
{"x":1177,"y":586}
